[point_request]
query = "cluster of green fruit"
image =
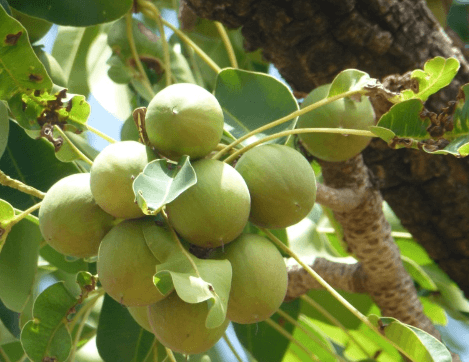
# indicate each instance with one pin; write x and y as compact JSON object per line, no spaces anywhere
{"x":272,"y":186}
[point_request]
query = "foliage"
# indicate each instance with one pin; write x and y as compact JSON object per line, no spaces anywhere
{"x":46,"y":125}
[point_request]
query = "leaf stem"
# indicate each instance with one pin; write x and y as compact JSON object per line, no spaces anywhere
{"x":226,"y":41}
{"x":25,"y":213}
{"x":356,"y":132}
{"x":89,"y":307}
{"x":77,"y":151}
{"x":101,"y":134}
{"x":333,"y":320}
{"x":288,"y":336}
{"x":311,"y":336}
{"x":178,"y":242}
{"x":150,"y":351}
{"x":230,"y":345}
{"x":4,"y":355}
{"x":84,"y":308}
{"x":331,"y":290}
{"x":133,"y":49}
{"x":170,"y":355}
{"x":18,"y":185}
{"x":287,"y":118}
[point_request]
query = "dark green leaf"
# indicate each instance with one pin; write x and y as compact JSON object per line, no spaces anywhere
{"x":250,"y":100}
{"x":32,"y":162}
{"x":161,"y":182}
{"x":20,"y":68}
{"x":418,"y":344}
{"x":4,"y":127}
{"x":74,"y":13}
{"x":13,"y":350}
{"x":47,"y":335}
{"x":129,"y":131}
{"x":58,"y":260}
{"x":10,"y":320}
{"x":18,"y":264}
{"x":119,"y":337}
{"x":4,"y":4}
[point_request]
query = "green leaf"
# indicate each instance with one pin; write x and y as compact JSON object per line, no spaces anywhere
{"x":74,"y":13}
{"x":250,"y":100}
{"x":437,"y":73}
{"x":7,"y":214}
{"x":158,"y":241}
{"x":349,"y":80}
{"x":119,"y":337}
{"x":264,"y":342}
{"x":58,"y":260}
{"x":71,"y":47}
{"x":161,"y":182}
{"x":209,"y":281}
{"x":18,"y":264}
{"x":31,"y":162}
{"x":434,"y":311}
{"x":419,"y":345}
{"x":20,"y":68}
{"x":47,"y":334}
{"x":418,"y":274}
{"x":13,"y":350}
{"x":4,"y":127}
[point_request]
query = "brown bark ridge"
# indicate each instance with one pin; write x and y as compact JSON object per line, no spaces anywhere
{"x":310,"y":41}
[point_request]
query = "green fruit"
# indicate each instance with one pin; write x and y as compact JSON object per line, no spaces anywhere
{"x":184,"y":119}
{"x":126,"y":265}
{"x":343,"y":113}
{"x":37,"y":28}
{"x":112,"y":175}
{"x":259,"y":281}
{"x":180,"y":326}
{"x":282,"y":185}
{"x":214,"y":211}
{"x":140,"y":315}
{"x":53,"y":67}
{"x":70,"y":220}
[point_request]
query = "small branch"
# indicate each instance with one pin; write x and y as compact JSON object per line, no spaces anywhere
{"x":71,"y":358}
{"x":230,"y":345}
{"x":18,"y":185}
{"x":226,"y":41}
{"x":339,"y":199}
{"x":25,"y":213}
{"x":170,"y":355}
{"x":100,"y":134}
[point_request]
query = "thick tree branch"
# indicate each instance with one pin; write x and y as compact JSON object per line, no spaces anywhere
{"x":339,"y":200}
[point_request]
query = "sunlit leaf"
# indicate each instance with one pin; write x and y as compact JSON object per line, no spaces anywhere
{"x":418,"y":274}
{"x":349,"y":80}
{"x":7,"y":214}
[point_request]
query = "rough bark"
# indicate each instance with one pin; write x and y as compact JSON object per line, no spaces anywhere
{"x":310,"y":41}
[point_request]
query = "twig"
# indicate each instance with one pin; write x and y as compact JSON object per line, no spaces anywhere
{"x":74,"y":148}
{"x":226,"y":41}
{"x":20,"y":186}
{"x":101,"y":134}
{"x":230,"y":345}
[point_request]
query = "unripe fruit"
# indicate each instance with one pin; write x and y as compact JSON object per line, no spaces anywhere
{"x":112,"y":175}
{"x":126,"y":265}
{"x":180,"y":326}
{"x":70,"y":220}
{"x":184,"y":119}
{"x":259,"y":281}
{"x":140,"y":315}
{"x":343,"y":113}
{"x":214,"y":211}
{"x":37,"y":28}
{"x":282,"y":185}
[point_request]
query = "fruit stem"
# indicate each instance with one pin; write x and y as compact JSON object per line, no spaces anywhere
{"x":334,"y":321}
{"x":133,"y":49}
{"x":355,"y":132}
{"x":331,"y":290}
{"x":25,"y":213}
{"x":226,"y":41}
{"x":230,"y":345}
{"x":311,"y":336}
{"x":167,"y":61}
{"x":178,"y":242}
{"x":101,"y":134}
{"x":170,"y":354}
{"x":18,"y":185}
{"x":77,"y":151}
{"x":288,"y":336}
{"x":287,"y":118}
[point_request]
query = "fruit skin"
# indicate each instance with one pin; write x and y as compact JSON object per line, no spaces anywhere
{"x":126,"y":265}
{"x":343,"y":113}
{"x":184,"y":119}
{"x":140,"y":315}
{"x":37,"y":28}
{"x":282,"y":185}
{"x":259,"y":281}
{"x":70,"y":220}
{"x":180,"y":326}
{"x":112,"y":175}
{"x":215,"y":210}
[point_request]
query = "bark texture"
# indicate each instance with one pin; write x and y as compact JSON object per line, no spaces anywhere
{"x":310,"y":41}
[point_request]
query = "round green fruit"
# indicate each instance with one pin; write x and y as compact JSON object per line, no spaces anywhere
{"x":214,"y":211}
{"x":140,"y":315}
{"x":180,"y":326}
{"x":70,"y":220}
{"x":259,"y":281}
{"x":282,"y":185}
{"x":112,"y":175}
{"x":184,"y":119}
{"x":37,"y":28}
{"x":343,"y":113}
{"x":126,"y":265}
